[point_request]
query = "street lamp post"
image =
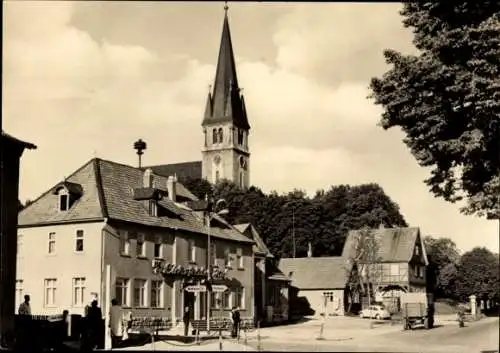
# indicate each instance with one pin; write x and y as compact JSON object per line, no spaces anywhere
{"x":209,"y":217}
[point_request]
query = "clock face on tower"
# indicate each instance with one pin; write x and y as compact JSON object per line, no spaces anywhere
{"x":243,"y":162}
{"x":217,"y":160}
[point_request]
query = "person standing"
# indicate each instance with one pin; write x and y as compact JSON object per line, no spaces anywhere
{"x":25,"y":327}
{"x":235,"y":319}
{"x":93,"y":322}
{"x":25,"y":308}
{"x":186,"y":317}
{"x":115,"y":323}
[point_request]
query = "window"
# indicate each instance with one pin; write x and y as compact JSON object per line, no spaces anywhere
{"x":239,"y":258}
{"x":52,"y":243}
{"x":153,"y":208}
{"x":213,"y":253}
{"x":217,"y":176}
{"x":191,"y":251}
{"x":394,"y":269}
{"x":78,"y":291}
{"x":121,"y":291}
{"x":239,"y":297}
{"x":221,"y":135}
{"x":63,"y":202}
{"x":226,"y":299}
{"x":214,"y":136}
{"x":241,"y":180}
{"x":124,"y":244}
{"x":140,"y":245}
{"x":157,"y":252}
{"x":50,"y":286}
{"x":140,"y":293}
{"x":79,"y":241}
{"x":19,"y":292}
{"x":227,"y":258}
{"x":216,"y":300}
{"x":240,"y":137}
{"x":19,"y":245}
{"x":417,"y":250}
{"x":156,"y":294}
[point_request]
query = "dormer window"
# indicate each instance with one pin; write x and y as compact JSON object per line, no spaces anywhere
{"x":68,"y":193}
{"x":63,"y":202}
{"x":417,"y":250}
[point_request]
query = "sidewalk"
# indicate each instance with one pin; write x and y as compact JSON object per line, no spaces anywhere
{"x":227,"y":345}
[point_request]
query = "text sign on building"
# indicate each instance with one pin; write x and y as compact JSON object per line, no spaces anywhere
{"x":219,"y":288}
{"x":195,"y":289}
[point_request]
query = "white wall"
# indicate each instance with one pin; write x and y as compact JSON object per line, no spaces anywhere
{"x":316,"y":300}
{"x":35,"y":264}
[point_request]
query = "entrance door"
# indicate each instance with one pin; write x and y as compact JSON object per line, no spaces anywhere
{"x":189,"y":300}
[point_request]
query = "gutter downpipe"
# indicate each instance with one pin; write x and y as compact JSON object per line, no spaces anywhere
{"x":103,"y":244}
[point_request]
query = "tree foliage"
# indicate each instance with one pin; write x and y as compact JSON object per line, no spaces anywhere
{"x":447,"y":99}
{"x":478,"y":274}
{"x":363,"y":269}
{"x":443,"y":257}
{"x":323,"y":220}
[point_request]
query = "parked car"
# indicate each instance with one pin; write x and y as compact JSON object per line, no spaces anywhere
{"x":375,"y":312}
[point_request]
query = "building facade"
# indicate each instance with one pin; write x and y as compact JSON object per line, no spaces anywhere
{"x":225,"y":149}
{"x":271,"y":288}
{"x":11,"y":150}
{"x":112,"y":214}
{"x":324,"y":283}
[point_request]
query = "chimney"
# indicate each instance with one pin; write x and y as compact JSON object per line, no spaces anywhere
{"x":172,"y":187}
{"x":147,"y":178}
{"x":309,"y":250}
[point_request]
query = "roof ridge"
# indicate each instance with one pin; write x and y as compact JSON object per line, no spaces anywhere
{"x":176,"y":163}
{"x":100,"y":189}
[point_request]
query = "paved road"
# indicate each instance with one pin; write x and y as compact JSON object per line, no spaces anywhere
{"x":476,"y":337}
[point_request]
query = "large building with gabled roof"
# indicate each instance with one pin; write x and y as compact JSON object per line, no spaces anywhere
{"x":225,"y":150}
{"x":107,"y":213}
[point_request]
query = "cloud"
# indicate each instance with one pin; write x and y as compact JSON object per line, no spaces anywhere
{"x":78,"y":92}
{"x":337,"y":42}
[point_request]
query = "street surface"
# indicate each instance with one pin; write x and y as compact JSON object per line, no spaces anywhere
{"x":477,"y":337}
{"x":347,"y":334}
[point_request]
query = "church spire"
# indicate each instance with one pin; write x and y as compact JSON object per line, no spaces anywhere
{"x":226,"y":98}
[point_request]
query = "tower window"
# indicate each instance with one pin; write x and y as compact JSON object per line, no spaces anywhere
{"x":241,"y":180}
{"x":217,"y":175}
{"x":221,"y":135}
{"x":214,"y":136}
{"x":240,"y":137}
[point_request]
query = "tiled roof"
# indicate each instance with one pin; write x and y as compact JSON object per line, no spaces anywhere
{"x":259,"y":247}
{"x":185,"y":170}
{"x":316,"y":272}
{"x":45,"y":209}
{"x":395,"y":244}
{"x":108,"y":191}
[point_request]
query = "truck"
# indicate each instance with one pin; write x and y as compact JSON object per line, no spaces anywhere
{"x":417,"y":309}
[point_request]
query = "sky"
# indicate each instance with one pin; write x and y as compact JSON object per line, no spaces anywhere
{"x":87,"y":79}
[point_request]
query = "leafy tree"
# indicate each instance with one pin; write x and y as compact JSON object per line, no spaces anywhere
{"x":199,"y":187}
{"x":478,"y":274}
{"x":443,"y":257}
{"x":362,"y":269}
{"x":446,"y":99}
{"x":322,"y":221}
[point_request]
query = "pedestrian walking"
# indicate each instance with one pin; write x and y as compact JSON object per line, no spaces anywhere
{"x":115,"y":323}
{"x":235,"y":319}
{"x":186,"y":318}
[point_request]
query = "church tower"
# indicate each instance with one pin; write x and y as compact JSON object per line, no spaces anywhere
{"x":226,"y":154}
